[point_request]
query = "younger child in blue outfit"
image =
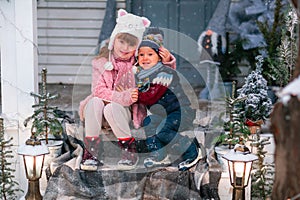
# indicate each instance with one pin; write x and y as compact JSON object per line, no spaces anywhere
{"x":160,"y":91}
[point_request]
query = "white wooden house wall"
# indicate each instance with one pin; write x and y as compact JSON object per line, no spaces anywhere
{"x":68,"y":34}
{"x":18,"y":73}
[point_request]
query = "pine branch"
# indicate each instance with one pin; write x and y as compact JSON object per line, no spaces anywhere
{"x":272,"y":34}
{"x":8,"y":186}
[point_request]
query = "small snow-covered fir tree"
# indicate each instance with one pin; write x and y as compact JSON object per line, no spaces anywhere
{"x":257,"y":105}
{"x":45,"y":120}
{"x":235,"y":128}
{"x":8,"y":186}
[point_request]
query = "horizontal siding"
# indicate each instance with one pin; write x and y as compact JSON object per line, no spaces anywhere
{"x":71,"y":4}
{"x":68,"y":32}
{"x":65,"y":60}
{"x":77,"y":4}
{"x":55,"y":41}
{"x":67,"y":24}
{"x":71,"y":14}
{"x":66,"y":50}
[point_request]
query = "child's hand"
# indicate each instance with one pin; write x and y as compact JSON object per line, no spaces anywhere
{"x":164,"y":54}
{"x":120,"y":88}
{"x":134,"y":94}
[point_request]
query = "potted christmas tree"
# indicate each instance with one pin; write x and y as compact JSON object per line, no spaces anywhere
{"x":46,"y":125}
{"x":257,"y":106}
{"x":45,"y":120}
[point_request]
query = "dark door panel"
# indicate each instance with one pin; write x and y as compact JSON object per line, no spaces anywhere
{"x":189,"y":17}
{"x":186,"y":16}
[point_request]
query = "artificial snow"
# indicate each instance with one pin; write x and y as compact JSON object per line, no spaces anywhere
{"x":236,"y":156}
{"x":31,"y":150}
{"x":292,"y":89}
{"x":258,"y":104}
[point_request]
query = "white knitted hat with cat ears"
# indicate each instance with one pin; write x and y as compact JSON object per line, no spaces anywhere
{"x":129,"y":23}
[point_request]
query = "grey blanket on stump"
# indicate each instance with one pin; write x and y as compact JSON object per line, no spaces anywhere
{"x":69,"y":182}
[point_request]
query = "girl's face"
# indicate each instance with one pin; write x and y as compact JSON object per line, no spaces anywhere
{"x":147,"y":57}
{"x":123,"y":48}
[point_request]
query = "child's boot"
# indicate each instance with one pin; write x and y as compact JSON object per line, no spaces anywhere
{"x":92,"y":154}
{"x":129,"y":157}
{"x":191,"y":156}
{"x":158,"y":157}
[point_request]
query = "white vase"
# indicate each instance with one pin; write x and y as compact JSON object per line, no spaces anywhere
{"x":55,"y":150}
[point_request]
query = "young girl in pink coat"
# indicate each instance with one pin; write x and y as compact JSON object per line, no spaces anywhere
{"x":114,"y":93}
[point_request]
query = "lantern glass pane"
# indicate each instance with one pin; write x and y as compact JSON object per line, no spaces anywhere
{"x":239,"y":169}
{"x":30,"y":161}
{"x":247,"y":173}
{"x":230,"y":163}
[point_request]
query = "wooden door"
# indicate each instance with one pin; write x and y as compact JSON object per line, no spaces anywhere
{"x":189,"y":18}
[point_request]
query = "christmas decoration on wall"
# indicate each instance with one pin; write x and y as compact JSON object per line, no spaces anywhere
{"x":212,"y":48}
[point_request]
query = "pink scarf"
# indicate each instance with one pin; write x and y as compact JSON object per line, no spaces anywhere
{"x":123,"y":75}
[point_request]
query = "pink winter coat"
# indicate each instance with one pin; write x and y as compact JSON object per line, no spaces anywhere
{"x":104,"y":83}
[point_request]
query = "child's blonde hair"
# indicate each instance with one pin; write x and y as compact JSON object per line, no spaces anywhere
{"x":128,"y":38}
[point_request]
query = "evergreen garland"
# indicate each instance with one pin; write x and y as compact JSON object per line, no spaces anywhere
{"x":257,"y":105}
{"x":262,"y":173}
{"x":8,"y":187}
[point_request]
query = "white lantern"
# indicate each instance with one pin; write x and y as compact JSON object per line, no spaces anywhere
{"x":33,"y":153}
{"x":240,"y":165}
